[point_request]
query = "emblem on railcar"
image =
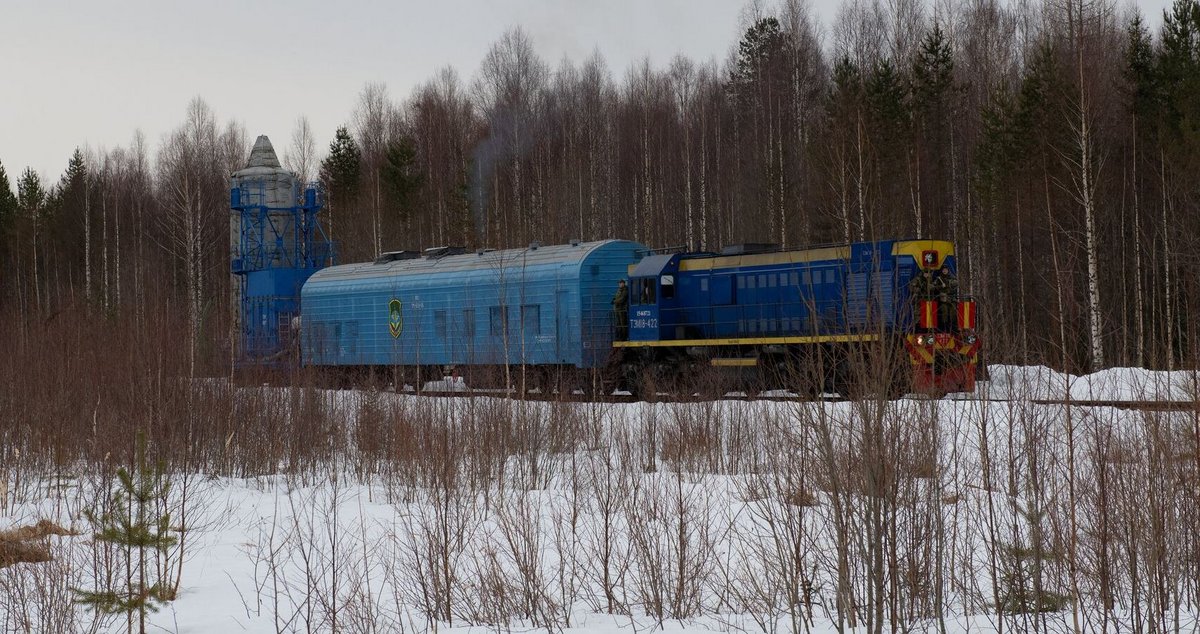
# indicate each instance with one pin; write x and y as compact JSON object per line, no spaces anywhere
{"x":395,"y":318}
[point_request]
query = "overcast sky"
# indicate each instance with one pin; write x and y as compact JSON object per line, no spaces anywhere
{"x":90,"y":72}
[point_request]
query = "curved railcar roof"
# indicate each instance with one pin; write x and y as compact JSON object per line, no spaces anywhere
{"x":487,"y":261}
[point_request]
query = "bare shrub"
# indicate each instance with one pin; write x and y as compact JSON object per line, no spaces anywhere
{"x":39,"y":598}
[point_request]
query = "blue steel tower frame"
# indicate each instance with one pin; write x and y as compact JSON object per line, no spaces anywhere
{"x":279,"y":248}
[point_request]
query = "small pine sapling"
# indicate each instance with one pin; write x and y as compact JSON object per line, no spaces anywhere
{"x":131,"y":526}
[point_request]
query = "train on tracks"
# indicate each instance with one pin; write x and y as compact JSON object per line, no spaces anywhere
{"x":750,"y":317}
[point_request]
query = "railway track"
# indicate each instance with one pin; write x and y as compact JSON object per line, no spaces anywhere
{"x":580,"y":397}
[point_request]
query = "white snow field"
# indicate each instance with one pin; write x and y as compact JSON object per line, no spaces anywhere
{"x":483,"y":514}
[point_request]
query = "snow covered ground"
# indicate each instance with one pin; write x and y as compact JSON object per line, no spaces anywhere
{"x":698,"y":517}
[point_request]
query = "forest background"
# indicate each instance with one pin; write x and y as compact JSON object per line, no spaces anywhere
{"x":1057,"y":143}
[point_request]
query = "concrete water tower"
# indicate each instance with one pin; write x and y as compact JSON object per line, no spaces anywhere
{"x":275,"y":243}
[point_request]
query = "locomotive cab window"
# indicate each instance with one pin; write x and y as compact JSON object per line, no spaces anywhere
{"x":644,"y":291}
{"x":668,"y":286}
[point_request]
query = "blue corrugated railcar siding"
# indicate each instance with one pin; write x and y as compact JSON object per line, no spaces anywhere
{"x":517,"y":306}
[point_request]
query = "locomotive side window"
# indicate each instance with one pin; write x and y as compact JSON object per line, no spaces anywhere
{"x":644,"y":291}
{"x":668,"y":286}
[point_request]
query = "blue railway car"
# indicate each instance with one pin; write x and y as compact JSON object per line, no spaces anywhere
{"x":545,"y":306}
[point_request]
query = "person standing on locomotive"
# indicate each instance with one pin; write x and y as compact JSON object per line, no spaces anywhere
{"x":945,"y":288}
{"x":620,"y":303}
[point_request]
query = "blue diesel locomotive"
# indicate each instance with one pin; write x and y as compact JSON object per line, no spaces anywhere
{"x":775,"y":314}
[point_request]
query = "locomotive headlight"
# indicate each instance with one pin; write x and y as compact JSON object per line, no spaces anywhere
{"x":970,"y":338}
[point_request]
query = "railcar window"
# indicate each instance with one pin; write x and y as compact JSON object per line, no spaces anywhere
{"x":439,"y":324}
{"x":829,"y":276}
{"x":794,"y":279}
{"x":741,"y":281}
{"x":749,"y":281}
{"x":762,"y":280}
{"x":469,"y":323}
{"x":531,"y":319}
{"x":704,"y":285}
{"x":352,"y":336}
{"x":805,"y":278}
{"x":497,"y":320}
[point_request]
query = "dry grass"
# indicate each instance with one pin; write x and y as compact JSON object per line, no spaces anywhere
{"x":27,"y":544}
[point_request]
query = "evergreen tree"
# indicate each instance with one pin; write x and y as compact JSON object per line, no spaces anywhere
{"x":1179,"y":80}
{"x":31,"y":196}
{"x":1025,"y":581}
{"x":66,"y":208}
{"x":760,"y":52}
{"x":401,"y":176}
{"x":1140,"y":72}
{"x":341,"y":170}
{"x":8,"y":202}
{"x":133,"y":528}
{"x":932,"y":70}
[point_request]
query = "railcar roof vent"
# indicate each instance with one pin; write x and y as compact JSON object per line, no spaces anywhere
{"x":437,"y":253}
{"x":533,"y":246}
{"x":575,"y":242}
{"x":749,"y":248}
{"x":482,"y":251}
{"x":392,"y":256}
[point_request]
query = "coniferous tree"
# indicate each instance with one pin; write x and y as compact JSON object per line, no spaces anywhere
{"x":8,"y":202}
{"x":401,"y":177}
{"x":136,"y":530}
{"x":1143,"y":106}
{"x":933,"y":92}
{"x":31,"y":204}
{"x":340,"y":174}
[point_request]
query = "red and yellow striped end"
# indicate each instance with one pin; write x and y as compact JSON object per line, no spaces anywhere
{"x":927,"y":315}
{"x":966,"y":315}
